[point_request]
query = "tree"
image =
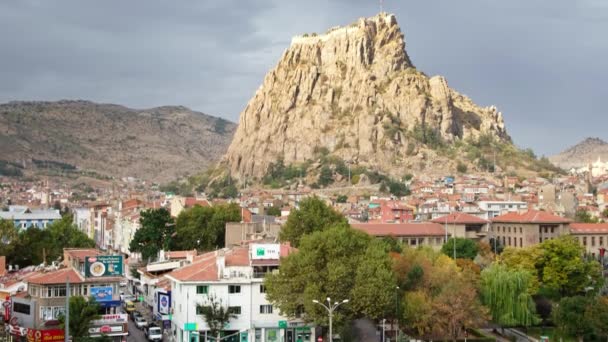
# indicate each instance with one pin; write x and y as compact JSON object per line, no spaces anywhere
{"x":398,"y":189}
{"x":341,"y":199}
{"x":82,"y":312}
{"x":524,"y":259}
{"x":273,"y":211}
{"x":64,"y":234}
{"x":340,"y":263}
{"x":312,"y":215}
{"x":8,"y":237}
{"x":562,"y":268}
{"x":506,"y":293}
{"x":605,"y":213}
{"x":596,"y":314}
{"x":216,"y":315}
{"x":584,"y":217}
{"x":465,"y":248}
{"x":155,"y":233}
{"x":461,"y":167}
{"x":569,"y":317}
{"x":325,"y":176}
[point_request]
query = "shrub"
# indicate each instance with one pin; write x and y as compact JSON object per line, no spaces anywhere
{"x":461,"y":167}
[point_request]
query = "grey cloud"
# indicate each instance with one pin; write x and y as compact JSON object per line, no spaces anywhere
{"x":542,"y":63}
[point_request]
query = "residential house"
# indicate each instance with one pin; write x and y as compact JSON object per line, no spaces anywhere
{"x":24,"y":217}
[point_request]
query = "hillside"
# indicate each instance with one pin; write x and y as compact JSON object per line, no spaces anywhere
{"x":352,"y":95}
{"x":157,"y":144}
{"x":581,"y":154}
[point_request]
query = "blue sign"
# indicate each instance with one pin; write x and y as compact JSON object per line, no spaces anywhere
{"x":102,"y":293}
{"x":110,"y":304}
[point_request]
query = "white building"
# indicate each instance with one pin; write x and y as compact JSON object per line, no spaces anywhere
{"x":235,"y":278}
{"x":491,"y":209}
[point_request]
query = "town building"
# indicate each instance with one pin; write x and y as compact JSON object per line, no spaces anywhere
{"x":234,"y":277}
{"x":592,"y":236}
{"x":526,"y":229}
{"x":412,"y":234}
{"x":491,"y":209}
{"x":463,"y":225}
{"x":24,"y":217}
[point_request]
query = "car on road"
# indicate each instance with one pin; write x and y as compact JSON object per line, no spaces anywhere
{"x":135,"y":314}
{"x":140,"y":322}
{"x":129,"y":298}
{"x":129,"y":306}
{"x":153,"y":333}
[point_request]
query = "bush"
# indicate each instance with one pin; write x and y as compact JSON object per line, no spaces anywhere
{"x":341,"y":199}
{"x":461,"y":167}
{"x":325,"y":176}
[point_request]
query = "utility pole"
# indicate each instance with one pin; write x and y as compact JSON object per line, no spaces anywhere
{"x":67,"y":309}
{"x":454,"y":239}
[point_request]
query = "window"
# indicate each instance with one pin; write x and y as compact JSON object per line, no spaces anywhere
{"x":593,"y":241}
{"x":234,"y":310}
{"x":199,"y":310}
{"x":234,"y":289}
{"x":546,"y":230}
{"x":84,"y":290}
{"x":202,"y":289}
{"x":509,"y":241}
{"x":521,"y":230}
{"x":60,"y":291}
{"x":552,"y":230}
{"x":584,"y":241}
{"x":265,"y":309}
{"x":509,"y":229}
{"x":262,"y":289}
{"x":504,"y":229}
{"x":521,"y":242}
{"x":601,"y":240}
{"x":21,"y":308}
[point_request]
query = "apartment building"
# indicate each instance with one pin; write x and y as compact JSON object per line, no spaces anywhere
{"x":234,"y":277}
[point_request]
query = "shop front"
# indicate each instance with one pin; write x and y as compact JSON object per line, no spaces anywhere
{"x":114,"y":326}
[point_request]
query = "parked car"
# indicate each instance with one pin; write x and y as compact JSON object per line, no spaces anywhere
{"x":129,"y":298}
{"x":135,"y":314}
{"x":129,"y":306}
{"x":153,"y":333}
{"x":140,"y":322}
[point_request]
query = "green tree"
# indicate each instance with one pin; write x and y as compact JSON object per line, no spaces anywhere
{"x":461,"y":167}
{"x":506,"y":293}
{"x":273,"y":211}
{"x":216,"y":315}
{"x":562,"y":268}
{"x":64,"y":234}
{"x":524,"y":259}
{"x":30,"y":247}
{"x":8,"y":237}
{"x":398,"y":189}
{"x":569,"y":317}
{"x":155,"y":233}
{"x":465,"y":248}
{"x":341,"y":199}
{"x":82,"y":312}
{"x":596,"y":314}
{"x":585,"y":217}
{"x":325,"y":176}
{"x":605,"y":213}
{"x":339,"y":263}
{"x":312,"y":215}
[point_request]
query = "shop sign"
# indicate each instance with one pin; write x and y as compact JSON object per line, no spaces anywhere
{"x":191,"y":326}
{"x":102,"y":293}
{"x":104,"y":266}
{"x":164,"y":303}
{"x":265,"y":251}
{"x":111,"y":319}
{"x":50,"y":335}
{"x":283,"y":324}
{"x":107,"y":329}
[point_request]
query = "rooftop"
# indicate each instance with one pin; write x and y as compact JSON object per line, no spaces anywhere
{"x":460,"y":218}
{"x":588,"y":228}
{"x":531,"y":216}
{"x":401,"y":229}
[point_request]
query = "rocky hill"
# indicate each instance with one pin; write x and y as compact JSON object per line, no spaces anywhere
{"x":156,"y":144}
{"x":353,"y":94}
{"x":581,"y":154}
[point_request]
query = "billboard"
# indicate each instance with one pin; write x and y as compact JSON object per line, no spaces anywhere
{"x":265,"y":251}
{"x":102,"y":293}
{"x":164,"y":303}
{"x":104,"y":266}
{"x":34,"y":335}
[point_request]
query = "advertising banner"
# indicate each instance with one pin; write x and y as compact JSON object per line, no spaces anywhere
{"x":164,"y":303}
{"x":104,"y":266}
{"x":50,"y":335}
{"x":265,"y":251}
{"x":102,"y":293}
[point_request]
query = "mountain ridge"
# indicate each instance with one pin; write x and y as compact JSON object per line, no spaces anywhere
{"x":354,"y":94}
{"x":155,"y":144}
{"x":581,"y":154}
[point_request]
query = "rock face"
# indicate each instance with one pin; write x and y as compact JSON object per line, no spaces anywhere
{"x":582,"y":154}
{"x":157,"y":144}
{"x":355,"y":92}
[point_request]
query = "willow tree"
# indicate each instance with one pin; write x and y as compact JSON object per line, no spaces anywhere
{"x":506,"y":293}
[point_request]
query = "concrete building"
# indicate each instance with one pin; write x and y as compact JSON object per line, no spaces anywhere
{"x":522,"y":230}
{"x":412,"y":234}
{"x":491,"y":209}
{"x":463,"y":225}
{"x":234,"y":277}
{"x":592,"y":236}
{"x":24,"y":217}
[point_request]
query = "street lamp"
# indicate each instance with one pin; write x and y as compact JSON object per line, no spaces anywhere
{"x":330,"y":310}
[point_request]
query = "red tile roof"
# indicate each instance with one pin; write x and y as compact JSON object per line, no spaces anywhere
{"x":81,"y":253}
{"x":204,"y":269}
{"x":460,"y":218}
{"x":238,"y":256}
{"x":531,"y":216}
{"x":56,"y":277}
{"x":401,"y":229}
{"x":589,"y":228}
{"x":191,"y":201}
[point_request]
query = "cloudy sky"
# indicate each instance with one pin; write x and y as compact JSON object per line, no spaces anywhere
{"x":544,"y":64}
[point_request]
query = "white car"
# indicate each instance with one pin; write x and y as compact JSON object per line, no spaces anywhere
{"x":123,"y":283}
{"x":154,"y":334}
{"x":140,"y":322}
